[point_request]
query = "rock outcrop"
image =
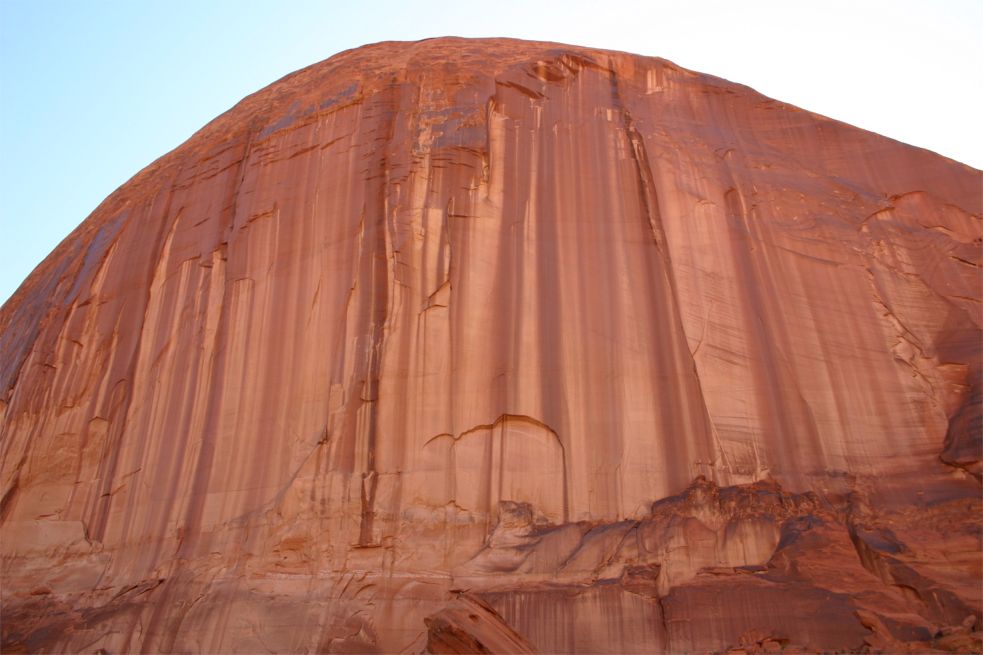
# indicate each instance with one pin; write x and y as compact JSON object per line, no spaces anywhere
{"x":501,"y":346}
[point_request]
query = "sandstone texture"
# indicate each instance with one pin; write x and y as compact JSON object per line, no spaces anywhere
{"x":498,"y":346}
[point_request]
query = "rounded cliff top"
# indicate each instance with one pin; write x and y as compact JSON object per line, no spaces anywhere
{"x":449,"y":60}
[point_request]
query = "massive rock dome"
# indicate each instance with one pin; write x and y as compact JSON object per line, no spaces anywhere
{"x":489,"y":344}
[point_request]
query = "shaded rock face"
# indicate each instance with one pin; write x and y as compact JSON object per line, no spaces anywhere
{"x":499,"y":346}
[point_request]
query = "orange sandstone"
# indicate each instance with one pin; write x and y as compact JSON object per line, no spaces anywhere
{"x":490,"y":344}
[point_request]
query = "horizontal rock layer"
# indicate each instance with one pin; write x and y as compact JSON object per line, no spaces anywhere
{"x":611,"y":355}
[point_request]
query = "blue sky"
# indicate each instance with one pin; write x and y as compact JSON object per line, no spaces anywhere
{"x":91,"y":92}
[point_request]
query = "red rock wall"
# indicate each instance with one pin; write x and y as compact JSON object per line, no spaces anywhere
{"x":275,"y":390}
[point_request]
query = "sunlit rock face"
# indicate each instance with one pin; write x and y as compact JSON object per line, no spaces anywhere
{"x":502,"y":346}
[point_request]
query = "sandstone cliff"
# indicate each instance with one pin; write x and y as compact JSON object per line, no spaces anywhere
{"x":503,"y":346}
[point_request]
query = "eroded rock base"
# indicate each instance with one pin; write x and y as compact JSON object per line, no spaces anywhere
{"x":741,"y":569}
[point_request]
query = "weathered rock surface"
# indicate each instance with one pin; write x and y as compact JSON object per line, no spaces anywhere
{"x":503,"y":346}
{"x":469,"y":625}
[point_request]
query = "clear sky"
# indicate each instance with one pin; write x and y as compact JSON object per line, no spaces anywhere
{"x":91,"y":92}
